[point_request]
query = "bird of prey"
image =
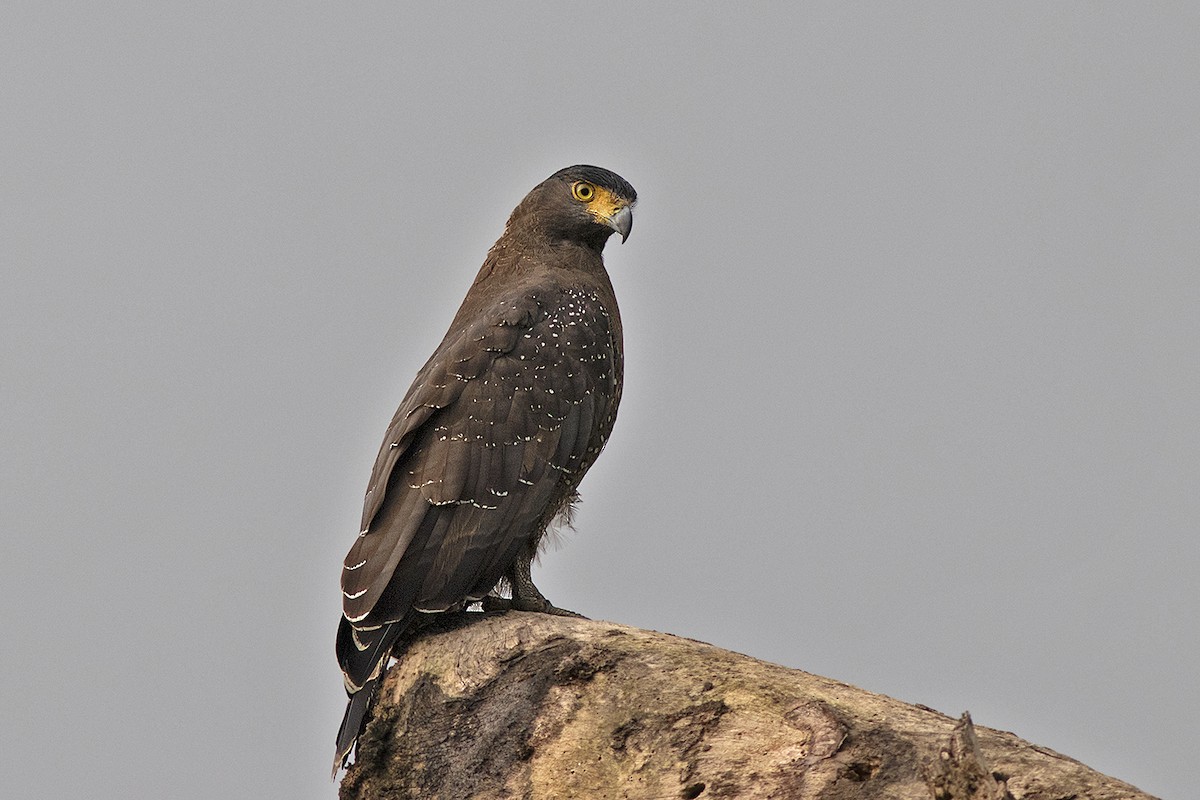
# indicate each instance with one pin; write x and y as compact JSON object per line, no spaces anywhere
{"x":494,"y":435}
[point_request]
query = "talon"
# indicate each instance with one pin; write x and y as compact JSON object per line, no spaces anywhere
{"x":562,"y":612}
{"x":541,"y":605}
{"x":493,"y":604}
{"x":526,"y":597}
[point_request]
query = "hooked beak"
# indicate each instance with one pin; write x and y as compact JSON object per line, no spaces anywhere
{"x":622,"y":221}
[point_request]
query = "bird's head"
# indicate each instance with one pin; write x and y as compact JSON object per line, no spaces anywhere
{"x":582,"y":203}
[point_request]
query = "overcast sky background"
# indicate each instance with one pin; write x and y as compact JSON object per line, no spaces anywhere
{"x":912,"y":314}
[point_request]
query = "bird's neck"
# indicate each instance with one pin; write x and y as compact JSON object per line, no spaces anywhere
{"x":518,"y":254}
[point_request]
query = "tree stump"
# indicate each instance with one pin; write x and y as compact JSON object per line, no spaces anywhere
{"x":521,"y":705}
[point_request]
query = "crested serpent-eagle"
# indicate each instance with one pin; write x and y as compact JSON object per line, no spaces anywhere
{"x":495,"y":433}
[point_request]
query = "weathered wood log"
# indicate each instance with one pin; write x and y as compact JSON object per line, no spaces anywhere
{"x":530,"y":706}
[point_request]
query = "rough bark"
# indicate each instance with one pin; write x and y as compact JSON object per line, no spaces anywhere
{"x":531,"y":706}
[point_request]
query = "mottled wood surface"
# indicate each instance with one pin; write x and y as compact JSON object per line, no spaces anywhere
{"x":530,"y":706}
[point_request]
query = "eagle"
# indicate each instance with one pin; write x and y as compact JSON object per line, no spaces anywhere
{"x":491,"y":440}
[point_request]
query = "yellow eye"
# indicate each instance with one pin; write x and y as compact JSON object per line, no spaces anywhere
{"x":583,"y":191}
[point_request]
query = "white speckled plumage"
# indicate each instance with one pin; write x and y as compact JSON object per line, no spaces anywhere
{"x":495,"y":434}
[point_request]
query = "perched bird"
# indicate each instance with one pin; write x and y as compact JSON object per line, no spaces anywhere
{"x":495,"y":433}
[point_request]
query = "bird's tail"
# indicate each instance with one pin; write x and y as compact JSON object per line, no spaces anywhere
{"x":353,"y":722}
{"x":363,"y":656}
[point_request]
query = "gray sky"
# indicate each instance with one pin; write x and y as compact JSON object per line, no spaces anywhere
{"x":912,"y":313}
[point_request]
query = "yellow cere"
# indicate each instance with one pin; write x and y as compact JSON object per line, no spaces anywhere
{"x":604,"y":204}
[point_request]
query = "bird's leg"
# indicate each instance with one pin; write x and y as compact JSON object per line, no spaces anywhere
{"x":525,"y":596}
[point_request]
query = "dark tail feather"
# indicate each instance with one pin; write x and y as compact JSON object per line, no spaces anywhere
{"x":362,"y":669}
{"x":361,"y":652}
{"x":352,"y":723}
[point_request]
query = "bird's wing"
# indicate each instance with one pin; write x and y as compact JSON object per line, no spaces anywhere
{"x":503,"y":411}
